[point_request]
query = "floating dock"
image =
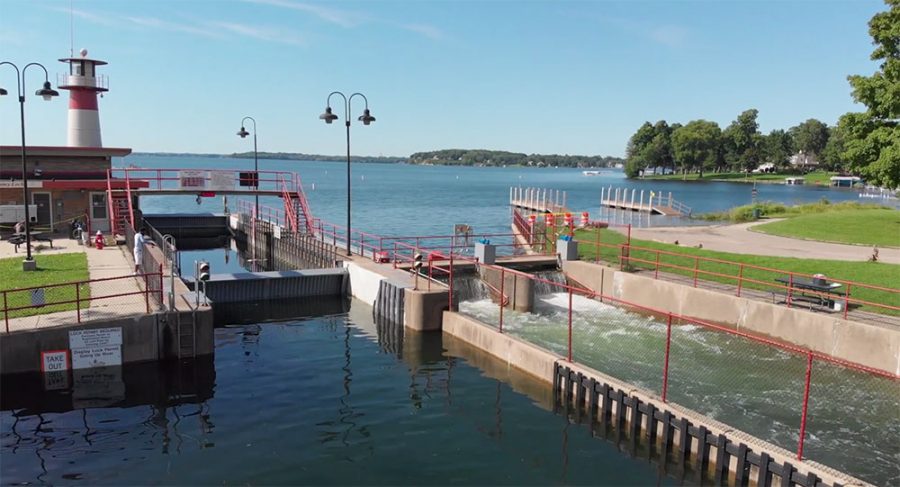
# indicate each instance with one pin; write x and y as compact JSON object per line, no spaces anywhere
{"x":540,"y":200}
{"x":653,"y":202}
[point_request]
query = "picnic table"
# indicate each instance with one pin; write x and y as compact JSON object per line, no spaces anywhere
{"x":810,"y":290}
{"x":19,"y":239}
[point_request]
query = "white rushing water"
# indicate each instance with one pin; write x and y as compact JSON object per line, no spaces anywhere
{"x":854,"y":418}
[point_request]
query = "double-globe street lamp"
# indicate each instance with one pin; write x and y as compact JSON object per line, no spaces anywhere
{"x":255,"y":179}
{"x":46,"y":92}
{"x":366,"y":118}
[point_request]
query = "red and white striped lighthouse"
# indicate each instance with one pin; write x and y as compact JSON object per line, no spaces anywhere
{"x":83,"y":84}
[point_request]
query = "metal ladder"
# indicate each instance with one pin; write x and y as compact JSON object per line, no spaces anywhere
{"x":187,"y":335}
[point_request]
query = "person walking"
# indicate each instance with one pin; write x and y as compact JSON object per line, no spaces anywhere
{"x":140,"y":240}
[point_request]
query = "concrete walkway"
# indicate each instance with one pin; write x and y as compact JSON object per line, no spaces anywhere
{"x":737,"y":238}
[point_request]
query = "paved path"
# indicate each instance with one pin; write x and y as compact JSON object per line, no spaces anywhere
{"x":737,"y":238}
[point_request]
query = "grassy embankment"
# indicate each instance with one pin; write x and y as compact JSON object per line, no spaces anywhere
{"x":644,"y":257}
{"x":816,"y":177}
{"x":52,"y":269}
{"x":772,"y":209}
{"x":876,"y":226}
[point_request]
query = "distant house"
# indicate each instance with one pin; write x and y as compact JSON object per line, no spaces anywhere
{"x":804,"y":161}
{"x":764,"y":168}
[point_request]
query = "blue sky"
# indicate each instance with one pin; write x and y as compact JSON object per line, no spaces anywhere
{"x":568,"y":77}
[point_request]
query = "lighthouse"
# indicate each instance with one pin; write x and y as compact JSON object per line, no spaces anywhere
{"x":83,"y":84}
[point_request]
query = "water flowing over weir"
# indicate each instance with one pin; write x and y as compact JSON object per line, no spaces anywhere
{"x":853,"y":417}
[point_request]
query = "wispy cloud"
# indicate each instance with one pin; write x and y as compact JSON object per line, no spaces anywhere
{"x":669,"y":35}
{"x":211,"y":29}
{"x":426,"y":30}
{"x":350,"y":19}
{"x":261,"y":33}
{"x":344,"y":18}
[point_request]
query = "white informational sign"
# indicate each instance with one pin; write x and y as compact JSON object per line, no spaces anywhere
{"x":98,"y":337}
{"x":276,"y":231}
{"x":87,"y":358}
{"x":192,"y":179}
{"x":220,"y":181}
{"x":54,"y":360}
{"x":98,"y":347}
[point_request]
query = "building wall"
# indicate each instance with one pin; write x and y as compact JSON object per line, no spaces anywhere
{"x":66,"y":204}
{"x":11,"y":166}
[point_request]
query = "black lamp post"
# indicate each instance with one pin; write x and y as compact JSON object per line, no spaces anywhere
{"x":46,"y":93}
{"x":366,"y":118}
{"x":243,"y":133}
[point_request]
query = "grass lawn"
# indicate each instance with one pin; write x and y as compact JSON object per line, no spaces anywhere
{"x":52,"y":269}
{"x":874,"y":273}
{"x":817,"y":177}
{"x":870,"y":227}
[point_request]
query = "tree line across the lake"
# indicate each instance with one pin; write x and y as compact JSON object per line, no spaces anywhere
{"x":864,"y":143}
{"x":481,"y":157}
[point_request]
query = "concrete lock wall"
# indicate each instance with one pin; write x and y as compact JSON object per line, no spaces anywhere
{"x":542,"y":364}
{"x":862,"y":343}
{"x":144,"y":338}
{"x":519,"y":289}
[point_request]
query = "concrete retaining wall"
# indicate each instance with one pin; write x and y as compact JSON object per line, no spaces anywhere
{"x":543,"y":364}
{"x":144,"y":338}
{"x":872,"y":345}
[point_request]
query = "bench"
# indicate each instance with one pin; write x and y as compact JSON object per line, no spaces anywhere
{"x":808,"y":291}
{"x":19,"y":239}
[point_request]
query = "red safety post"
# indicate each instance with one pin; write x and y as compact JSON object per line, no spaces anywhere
{"x":809,"y":358}
{"x":450,"y":284}
{"x":502,"y":282}
{"x":696,"y":267}
{"x":740,"y":279}
{"x":597,"y":249}
{"x":629,"y":234}
{"x":430,"y":268}
{"x":847,"y":301}
{"x":161,"y":285}
{"x":665,"y":387}
{"x":570,"y":324}
{"x":78,"y":302}
{"x":656,"y":276}
{"x":5,"y":312}
{"x":146,"y":292}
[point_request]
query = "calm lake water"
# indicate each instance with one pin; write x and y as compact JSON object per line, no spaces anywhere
{"x":399,"y":199}
{"x":328,"y":400}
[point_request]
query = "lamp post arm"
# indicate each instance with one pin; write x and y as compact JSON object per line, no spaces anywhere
{"x":350,"y":100}
{"x":346,"y":104}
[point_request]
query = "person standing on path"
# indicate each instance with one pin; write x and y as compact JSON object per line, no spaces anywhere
{"x":139,"y":241}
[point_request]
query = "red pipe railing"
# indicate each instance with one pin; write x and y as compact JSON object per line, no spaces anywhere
{"x":80,"y":301}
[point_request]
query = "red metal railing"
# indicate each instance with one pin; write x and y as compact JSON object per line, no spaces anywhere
{"x":209,"y":179}
{"x":760,"y":278}
{"x":152,"y":282}
{"x":572,"y":338}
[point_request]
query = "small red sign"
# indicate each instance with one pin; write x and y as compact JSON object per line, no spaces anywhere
{"x":207,"y":194}
{"x":54,"y":360}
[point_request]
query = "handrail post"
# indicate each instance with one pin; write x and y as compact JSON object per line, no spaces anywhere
{"x":597,"y":257}
{"x":740,"y":279}
{"x":656,"y":276}
{"x":78,"y":302}
{"x":146,"y":292}
{"x":450,"y":283}
{"x":696,"y":268}
{"x":790,"y":291}
{"x":5,"y":312}
{"x":502,"y":282}
{"x":570,"y":324}
{"x":805,"y":406}
{"x":665,"y":386}
{"x":847,"y":300}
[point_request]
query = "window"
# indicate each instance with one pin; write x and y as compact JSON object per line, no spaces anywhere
{"x":98,"y":206}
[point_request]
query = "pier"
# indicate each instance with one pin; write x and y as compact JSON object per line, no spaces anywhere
{"x":657,"y":202}
{"x":541,"y":200}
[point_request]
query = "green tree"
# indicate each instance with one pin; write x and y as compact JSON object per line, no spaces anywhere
{"x":696,"y":145}
{"x":741,"y":141}
{"x":833,"y":155}
{"x":634,"y":152}
{"x":872,"y":139}
{"x":778,"y":147}
{"x":810,"y":136}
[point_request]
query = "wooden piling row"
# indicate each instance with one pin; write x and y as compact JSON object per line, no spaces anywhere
{"x":668,"y":436}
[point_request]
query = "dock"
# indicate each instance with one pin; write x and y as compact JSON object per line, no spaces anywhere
{"x":653,"y":202}
{"x":538,"y":200}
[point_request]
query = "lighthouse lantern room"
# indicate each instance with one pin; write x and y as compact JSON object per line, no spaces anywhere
{"x":83,"y":84}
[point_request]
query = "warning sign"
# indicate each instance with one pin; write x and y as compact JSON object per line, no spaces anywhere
{"x":54,"y":360}
{"x":86,"y":358}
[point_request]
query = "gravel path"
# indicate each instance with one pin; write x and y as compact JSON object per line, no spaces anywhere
{"x":738,"y":238}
